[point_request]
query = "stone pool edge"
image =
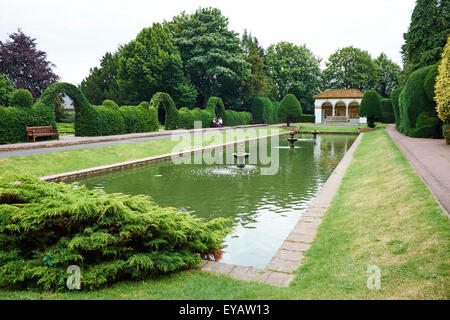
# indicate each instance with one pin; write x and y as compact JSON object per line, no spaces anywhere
{"x":281,"y":269}
{"x":73,"y":175}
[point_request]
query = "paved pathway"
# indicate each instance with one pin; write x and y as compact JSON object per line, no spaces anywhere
{"x":281,"y":269}
{"x":74,"y":143}
{"x":431,"y":159}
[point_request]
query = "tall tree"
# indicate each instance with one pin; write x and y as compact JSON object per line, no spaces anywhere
{"x":388,"y":73}
{"x":101,"y":83}
{"x":426,"y":35}
{"x":259,"y":83}
{"x":25,"y":65}
{"x":152,"y":63}
{"x":212,"y":55}
{"x":350,"y":67}
{"x":295,"y":70}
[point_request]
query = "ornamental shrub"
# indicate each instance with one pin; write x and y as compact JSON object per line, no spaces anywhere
{"x":21,"y":98}
{"x":370,"y":107}
{"x":413,"y":102}
{"x":430,"y":81}
{"x":110,"y":104}
{"x":394,"y":100}
{"x":290,"y":109}
{"x":163,"y":101}
{"x":46,"y":227}
{"x":442,"y":88}
{"x":387,"y":111}
{"x":428,"y":126}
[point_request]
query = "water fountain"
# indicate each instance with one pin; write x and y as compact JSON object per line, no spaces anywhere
{"x":292,"y":140}
{"x":241,"y":155}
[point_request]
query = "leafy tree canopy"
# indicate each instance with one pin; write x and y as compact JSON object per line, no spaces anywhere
{"x":151,"y":64}
{"x":426,"y":35}
{"x":295,"y":70}
{"x":101,"y":84}
{"x":388,"y":73}
{"x":25,"y":65}
{"x":212,"y":55}
{"x":350,"y":68}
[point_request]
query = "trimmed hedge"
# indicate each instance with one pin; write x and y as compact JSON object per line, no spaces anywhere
{"x":21,"y":98}
{"x":290,"y":109}
{"x":164,"y":100}
{"x":442,"y":88}
{"x":107,"y":119}
{"x":14,"y":120}
{"x":47,"y":227}
{"x":387,"y":111}
{"x":263,"y":110}
{"x":370,"y":107}
{"x":415,"y":105}
{"x":306,"y":118}
{"x":395,"y":95}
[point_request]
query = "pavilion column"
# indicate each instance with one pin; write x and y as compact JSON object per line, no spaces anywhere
{"x":333,"y":112}
{"x":346,"y":110}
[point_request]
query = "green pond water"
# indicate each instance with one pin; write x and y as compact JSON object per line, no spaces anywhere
{"x":264,"y":208}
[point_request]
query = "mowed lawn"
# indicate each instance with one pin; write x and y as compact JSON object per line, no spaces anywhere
{"x":383,"y":215}
{"x":63,"y":161}
{"x":333,"y":127}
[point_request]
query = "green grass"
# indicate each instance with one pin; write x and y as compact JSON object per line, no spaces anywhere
{"x":65,"y":128}
{"x":63,"y":161}
{"x":383,"y":215}
{"x":333,"y":127}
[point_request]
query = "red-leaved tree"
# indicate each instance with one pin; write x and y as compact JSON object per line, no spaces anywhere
{"x":25,"y":65}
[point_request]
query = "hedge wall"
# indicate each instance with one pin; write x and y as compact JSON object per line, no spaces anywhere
{"x":415,"y":105}
{"x":14,"y":120}
{"x":306,"y":118}
{"x":395,"y":95}
{"x":263,"y":110}
{"x":387,"y":111}
{"x":171,"y":118}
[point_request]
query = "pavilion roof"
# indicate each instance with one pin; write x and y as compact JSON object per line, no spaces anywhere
{"x":339,"y":93}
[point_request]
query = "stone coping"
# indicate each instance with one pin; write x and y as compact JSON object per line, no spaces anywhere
{"x":73,"y":175}
{"x":281,"y":269}
{"x":72,"y":140}
{"x":326,"y":132}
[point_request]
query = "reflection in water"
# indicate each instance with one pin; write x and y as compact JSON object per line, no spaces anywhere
{"x":264,"y":208}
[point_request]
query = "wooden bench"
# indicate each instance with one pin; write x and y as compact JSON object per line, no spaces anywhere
{"x":44,"y":131}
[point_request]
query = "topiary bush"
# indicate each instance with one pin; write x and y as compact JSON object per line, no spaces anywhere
{"x":290,"y":109}
{"x":394,"y":100}
{"x":414,"y":101}
{"x":263,"y":110}
{"x":110,"y":121}
{"x":21,"y":98}
{"x":370,"y":107}
{"x":164,"y":101}
{"x":47,"y":227}
{"x":186,"y":118}
{"x":387,"y":111}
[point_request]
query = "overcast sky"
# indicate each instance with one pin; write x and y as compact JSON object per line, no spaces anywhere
{"x":76,"y":34}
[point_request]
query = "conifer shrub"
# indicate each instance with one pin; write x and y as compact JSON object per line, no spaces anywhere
{"x":21,"y":98}
{"x":394,"y":100}
{"x":370,"y":107}
{"x":290,"y":109}
{"x":414,"y":101}
{"x":47,"y":227}
{"x":387,"y":111}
